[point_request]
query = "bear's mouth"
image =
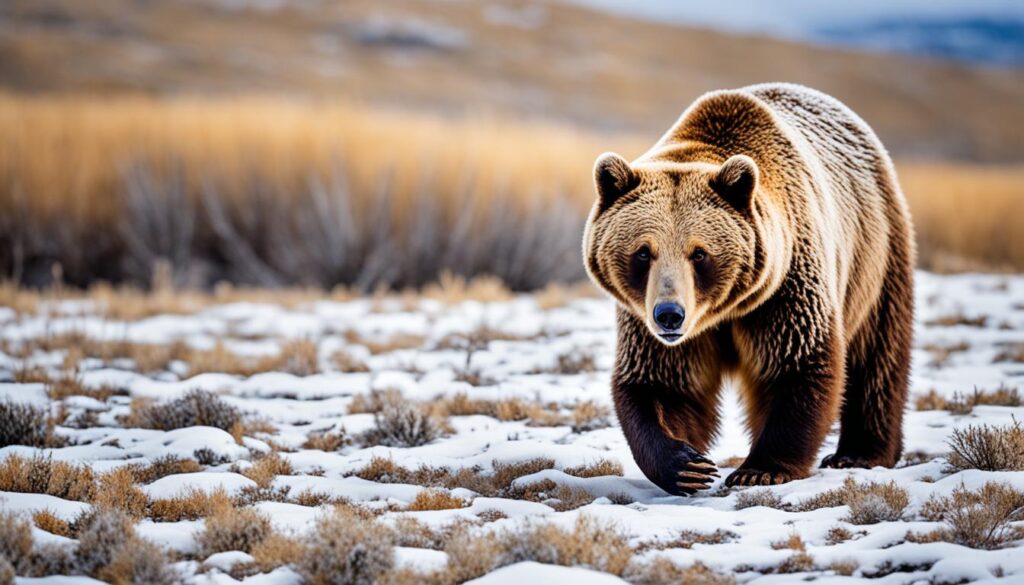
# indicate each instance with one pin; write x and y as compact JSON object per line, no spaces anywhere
{"x":670,"y":336}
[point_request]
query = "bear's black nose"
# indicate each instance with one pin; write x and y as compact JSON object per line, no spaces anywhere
{"x":669,"y":315}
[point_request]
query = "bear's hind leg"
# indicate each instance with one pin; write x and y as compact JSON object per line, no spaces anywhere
{"x":877,"y":380}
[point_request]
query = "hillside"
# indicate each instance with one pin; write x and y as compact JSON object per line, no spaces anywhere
{"x":539,"y":60}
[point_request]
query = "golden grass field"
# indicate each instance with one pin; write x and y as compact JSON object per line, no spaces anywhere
{"x":64,"y":162}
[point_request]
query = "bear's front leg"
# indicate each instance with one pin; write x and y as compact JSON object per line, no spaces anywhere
{"x":665,"y":434}
{"x":791,"y":404}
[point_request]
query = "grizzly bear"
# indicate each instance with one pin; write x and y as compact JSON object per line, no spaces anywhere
{"x":763,"y":240}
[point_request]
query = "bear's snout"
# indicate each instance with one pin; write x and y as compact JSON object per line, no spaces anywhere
{"x":669,"y":316}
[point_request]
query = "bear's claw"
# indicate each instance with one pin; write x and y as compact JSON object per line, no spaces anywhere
{"x":756,"y":477}
{"x":837,"y":461}
{"x":697,"y":474}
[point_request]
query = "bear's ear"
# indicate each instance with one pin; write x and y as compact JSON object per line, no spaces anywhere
{"x":613,"y":178}
{"x":736,"y":181}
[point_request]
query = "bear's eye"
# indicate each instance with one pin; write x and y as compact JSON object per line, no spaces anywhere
{"x":699,"y":255}
{"x":643,"y":254}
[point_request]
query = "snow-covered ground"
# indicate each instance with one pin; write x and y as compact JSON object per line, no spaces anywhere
{"x":522,"y":361}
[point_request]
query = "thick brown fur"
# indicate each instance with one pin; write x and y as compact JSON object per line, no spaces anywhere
{"x":772,"y":214}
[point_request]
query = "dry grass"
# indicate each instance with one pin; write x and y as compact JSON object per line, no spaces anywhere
{"x":436,"y":499}
{"x":687,"y":538}
{"x":964,"y":402}
{"x":232,"y":528}
{"x":200,"y":158}
{"x":348,"y":363}
{"x":581,"y":417}
{"x":759,"y":497}
{"x":869,"y":502}
{"x":265,"y":469}
{"x":1010,"y":352}
{"x":327,"y":441}
{"x":501,"y":482}
{"x":117,"y":490}
{"x":164,"y":466}
{"x":953,"y":237}
{"x":599,"y":468}
{"x":941,"y":354}
{"x":589,"y":543}
{"x":191,"y":505}
{"x":661,"y":570}
{"x":40,"y":475}
{"x":989,"y":448}
{"x":46,"y":520}
{"x":978,"y":519}
{"x":838,"y":535}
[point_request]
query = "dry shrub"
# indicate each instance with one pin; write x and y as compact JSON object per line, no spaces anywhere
{"x":582,"y":417}
{"x":410,"y":531}
{"x":139,"y":561}
{"x":265,"y":469}
{"x":231,"y":529}
{"x":7,"y":572}
{"x":589,"y":543}
{"x":844,"y":567}
{"x":598,"y":469}
{"x":978,"y":519}
{"x":561,"y":497}
{"x":191,"y":505}
{"x":1011,"y":351}
{"x":297,"y":357}
{"x":346,"y":549}
{"x":327,"y":441}
{"x":69,"y":384}
{"x":450,"y":288}
{"x":436,"y":499}
{"x":394,"y":343}
{"x":15,"y":539}
{"x":401,"y":424}
{"x":798,"y":562}
{"x":505,"y":473}
{"x":109,"y":550}
{"x":497,"y":483}
{"x":117,"y":490}
{"x":941,"y":354}
{"x":374,"y":401}
{"x":23,"y":424}
{"x":348,"y":363}
{"x":963,"y":403}
{"x":276,"y":550}
{"x":759,"y":497}
{"x":837,"y":535}
{"x":575,"y":361}
{"x":41,"y":475}
{"x":164,"y":466}
{"x":869,"y":502}
{"x":589,"y":416}
{"x":147,"y":357}
{"x":46,"y":520}
{"x":958,"y":318}
{"x":661,"y":570}
{"x":687,"y":538}
{"x":195,"y":408}
{"x":989,"y":448}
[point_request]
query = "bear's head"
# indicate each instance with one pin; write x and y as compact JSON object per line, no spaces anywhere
{"x":676,"y":244}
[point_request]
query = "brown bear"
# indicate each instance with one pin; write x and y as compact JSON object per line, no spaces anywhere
{"x":764,"y":240}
